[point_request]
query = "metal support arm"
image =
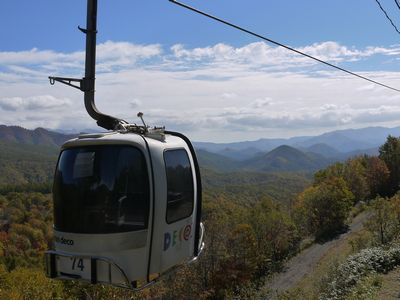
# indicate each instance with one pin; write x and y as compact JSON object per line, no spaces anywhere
{"x":67,"y":81}
{"x":87,"y":84}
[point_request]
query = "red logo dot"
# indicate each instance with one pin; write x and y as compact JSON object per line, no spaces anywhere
{"x":187,"y":231}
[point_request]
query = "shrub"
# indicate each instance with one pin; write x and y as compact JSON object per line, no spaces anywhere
{"x":349,"y":273}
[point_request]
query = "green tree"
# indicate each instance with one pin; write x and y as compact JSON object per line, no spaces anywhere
{"x":275,"y":232}
{"x":389,"y":152}
{"x":240,"y":264}
{"x":395,"y":206}
{"x":23,"y":283}
{"x":353,"y":172}
{"x":377,"y":174}
{"x":324,"y":208}
{"x":242,"y":246}
{"x":383,"y":220}
{"x":335,"y":170}
{"x":355,"y":175}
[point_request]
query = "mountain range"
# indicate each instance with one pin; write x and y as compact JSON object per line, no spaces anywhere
{"x":297,"y":154}
{"x":28,"y":159}
{"x":39,"y":136}
{"x":339,"y":144}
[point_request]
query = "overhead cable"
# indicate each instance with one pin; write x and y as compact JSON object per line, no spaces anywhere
{"x":282,"y":45}
{"x":387,"y":16}
{"x":397,"y":3}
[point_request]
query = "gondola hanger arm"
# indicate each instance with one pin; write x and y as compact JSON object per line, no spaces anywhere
{"x":87,"y":83}
{"x":83,"y":83}
{"x":85,"y":31}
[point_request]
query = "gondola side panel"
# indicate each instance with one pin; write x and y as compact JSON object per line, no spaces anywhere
{"x":175,"y":204}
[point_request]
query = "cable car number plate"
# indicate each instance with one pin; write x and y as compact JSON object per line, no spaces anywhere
{"x":74,"y":267}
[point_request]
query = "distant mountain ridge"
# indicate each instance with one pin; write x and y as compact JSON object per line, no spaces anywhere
{"x":38,"y":136}
{"x":322,"y":149}
{"x":286,"y":158}
{"x":216,"y":161}
{"x":342,"y":141}
{"x":298,"y":154}
{"x":339,"y":144}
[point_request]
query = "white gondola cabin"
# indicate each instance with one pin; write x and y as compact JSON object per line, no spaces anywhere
{"x":127,"y":207}
{"x":127,"y":203}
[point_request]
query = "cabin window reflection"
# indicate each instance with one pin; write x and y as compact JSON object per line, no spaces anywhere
{"x":180,"y":191}
{"x":101,"y":189}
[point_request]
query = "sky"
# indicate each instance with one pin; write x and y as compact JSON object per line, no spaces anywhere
{"x":200,"y":77}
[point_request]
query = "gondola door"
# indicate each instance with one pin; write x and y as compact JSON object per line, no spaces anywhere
{"x":175,"y":198}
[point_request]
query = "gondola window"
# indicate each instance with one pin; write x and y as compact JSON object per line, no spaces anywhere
{"x":180,"y":191}
{"x":101,"y":189}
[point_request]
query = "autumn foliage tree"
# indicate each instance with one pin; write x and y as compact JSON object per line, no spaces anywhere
{"x":377,"y":174}
{"x":322,"y":209}
{"x":381,"y":223}
{"x":248,"y":235}
{"x":276,"y":234}
{"x":365,"y":176}
{"x":389,"y":152}
{"x":353,"y":172}
{"x":355,"y":176}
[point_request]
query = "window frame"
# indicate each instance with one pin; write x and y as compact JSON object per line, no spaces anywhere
{"x":166,"y":181}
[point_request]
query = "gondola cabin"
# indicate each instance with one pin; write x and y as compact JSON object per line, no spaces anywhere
{"x":127,"y":203}
{"x":127,"y":207}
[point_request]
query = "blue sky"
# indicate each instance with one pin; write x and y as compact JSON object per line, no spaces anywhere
{"x":195,"y":75}
{"x":51,"y":24}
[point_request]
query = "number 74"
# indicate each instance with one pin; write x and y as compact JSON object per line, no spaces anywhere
{"x":78,"y":265}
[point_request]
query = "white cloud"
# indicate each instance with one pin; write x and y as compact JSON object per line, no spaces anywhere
{"x":329,"y":107}
{"x":34,"y":56}
{"x":218,"y":93}
{"x":261,"y":103}
{"x":218,"y":61}
{"x":260,"y":53}
{"x":109,"y":55}
{"x":135,"y":103}
{"x":117,"y":50}
{"x":42,"y":102}
{"x":123,"y":54}
{"x":229,"y":95}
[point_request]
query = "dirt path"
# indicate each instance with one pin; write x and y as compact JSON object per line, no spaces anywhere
{"x":305,"y":262}
{"x":390,"y":286}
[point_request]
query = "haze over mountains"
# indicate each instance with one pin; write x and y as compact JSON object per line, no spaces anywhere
{"x":340,"y":143}
{"x":297,"y":154}
{"x":304,"y":153}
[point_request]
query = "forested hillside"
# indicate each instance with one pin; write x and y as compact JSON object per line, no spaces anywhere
{"x":362,"y":265}
{"x":298,"y":154}
{"x":28,"y":157}
{"x":286,"y":158}
{"x":235,"y":204}
{"x":254,"y":223}
{"x":247,"y":188}
{"x":39,"y":136}
{"x":26,"y":164}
